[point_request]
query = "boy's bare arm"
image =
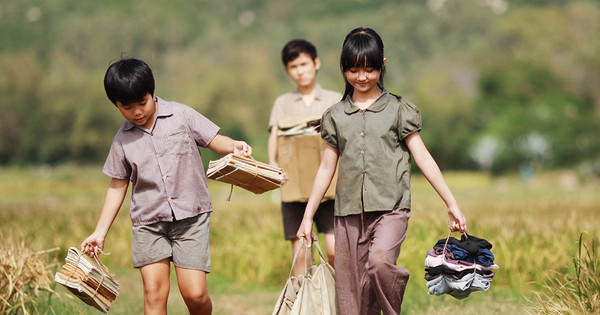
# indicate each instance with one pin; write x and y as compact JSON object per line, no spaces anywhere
{"x":272,"y":151}
{"x":115,"y":194}
{"x":433,"y":174}
{"x":225,"y":145}
{"x":272,"y":147}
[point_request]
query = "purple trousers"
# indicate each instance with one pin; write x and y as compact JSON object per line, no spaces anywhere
{"x":367,"y":247}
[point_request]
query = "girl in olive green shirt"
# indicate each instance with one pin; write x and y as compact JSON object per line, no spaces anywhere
{"x":372,"y":134}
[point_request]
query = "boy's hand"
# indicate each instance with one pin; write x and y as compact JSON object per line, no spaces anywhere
{"x":242,"y":148}
{"x":92,"y":245}
{"x":285,"y":178}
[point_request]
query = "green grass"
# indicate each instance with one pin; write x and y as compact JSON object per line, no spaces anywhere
{"x":534,"y":227}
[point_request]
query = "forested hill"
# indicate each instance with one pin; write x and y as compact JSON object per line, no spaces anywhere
{"x":500,"y":83}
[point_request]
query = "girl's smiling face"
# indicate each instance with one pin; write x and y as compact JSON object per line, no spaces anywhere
{"x":363,"y":79}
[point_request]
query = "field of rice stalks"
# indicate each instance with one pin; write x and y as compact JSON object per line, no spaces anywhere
{"x":533,"y":225}
{"x":577,"y":292}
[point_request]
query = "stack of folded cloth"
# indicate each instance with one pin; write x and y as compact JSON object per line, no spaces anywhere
{"x":459,"y":267}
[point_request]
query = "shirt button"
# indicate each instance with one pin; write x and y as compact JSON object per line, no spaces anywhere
{"x":362,"y":151}
{"x":362,"y":133}
{"x":169,"y":198}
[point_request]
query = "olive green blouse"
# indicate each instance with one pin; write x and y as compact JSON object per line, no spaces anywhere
{"x":374,"y":162}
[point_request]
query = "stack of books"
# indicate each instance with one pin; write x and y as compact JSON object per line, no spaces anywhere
{"x":245,"y":172}
{"x":292,"y":126}
{"x":88,"y":279}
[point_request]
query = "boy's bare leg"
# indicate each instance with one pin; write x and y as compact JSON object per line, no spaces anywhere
{"x":193,"y":288}
{"x":300,"y":261}
{"x":156,"y":287}
{"x":330,"y":248}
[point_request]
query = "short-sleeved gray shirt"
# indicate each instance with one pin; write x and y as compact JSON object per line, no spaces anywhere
{"x":164,"y":164}
{"x":374,"y":161}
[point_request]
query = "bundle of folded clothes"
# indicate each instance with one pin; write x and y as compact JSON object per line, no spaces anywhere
{"x":459,"y":267}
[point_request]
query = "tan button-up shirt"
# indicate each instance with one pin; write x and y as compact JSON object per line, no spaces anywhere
{"x":374,"y":162}
{"x":164,"y":164}
{"x":292,"y":105}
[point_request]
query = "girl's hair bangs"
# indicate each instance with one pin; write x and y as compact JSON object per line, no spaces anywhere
{"x":361,"y":51}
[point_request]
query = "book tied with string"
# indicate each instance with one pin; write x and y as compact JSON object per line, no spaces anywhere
{"x":245,"y":172}
{"x":88,"y":279}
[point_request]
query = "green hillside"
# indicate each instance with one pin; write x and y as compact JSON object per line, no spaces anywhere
{"x":501,"y":84}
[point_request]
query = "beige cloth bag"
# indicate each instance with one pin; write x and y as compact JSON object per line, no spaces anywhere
{"x":312,"y":293}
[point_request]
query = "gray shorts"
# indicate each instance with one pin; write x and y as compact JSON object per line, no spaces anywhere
{"x":185,"y":242}
{"x":293,"y":212}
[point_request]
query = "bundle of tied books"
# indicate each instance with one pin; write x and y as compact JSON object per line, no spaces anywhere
{"x":292,"y":126}
{"x":88,"y":279}
{"x":245,"y":172}
{"x":299,"y":152}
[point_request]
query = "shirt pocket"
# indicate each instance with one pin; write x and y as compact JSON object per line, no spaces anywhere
{"x":178,"y":145}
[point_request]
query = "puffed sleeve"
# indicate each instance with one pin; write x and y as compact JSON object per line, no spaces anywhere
{"x":328,"y":130}
{"x":410,"y":119}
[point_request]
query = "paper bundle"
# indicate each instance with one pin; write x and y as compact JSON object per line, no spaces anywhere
{"x":88,"y":279}
{"x":246,"y":173}
{"x":292,"y":126}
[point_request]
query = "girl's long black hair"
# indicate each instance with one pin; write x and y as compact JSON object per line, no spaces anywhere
{"x":362,"y":47}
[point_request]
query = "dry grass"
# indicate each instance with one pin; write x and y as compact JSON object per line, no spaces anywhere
{"x":26,"y":277}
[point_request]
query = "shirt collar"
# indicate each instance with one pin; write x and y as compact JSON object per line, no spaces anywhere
{"x":377,"y":106}
{"x":318,"y":93}
{"x":163,"y":110}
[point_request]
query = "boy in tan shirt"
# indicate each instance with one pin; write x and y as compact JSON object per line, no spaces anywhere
{"x":301,"y":63}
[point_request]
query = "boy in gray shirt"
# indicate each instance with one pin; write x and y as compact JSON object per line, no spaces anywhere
{"x":156,"y":149}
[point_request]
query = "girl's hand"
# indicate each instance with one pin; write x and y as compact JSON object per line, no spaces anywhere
{"x":305,"y":231}
{"x":242,"y":148}
{"x":458,"y":222}
{"x":92,"y":245}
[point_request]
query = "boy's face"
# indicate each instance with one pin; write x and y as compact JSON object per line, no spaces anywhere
{"x":140,"y":113}
{"x":303,"y":70}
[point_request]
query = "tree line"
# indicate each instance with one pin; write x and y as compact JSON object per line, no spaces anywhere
{"x":502,"y":85}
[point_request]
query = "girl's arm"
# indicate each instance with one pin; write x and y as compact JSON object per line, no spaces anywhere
{"x":115,"y":195}
{"x":225,"y":145}
{"x":320,"y":186}
{"x":432,"y":173}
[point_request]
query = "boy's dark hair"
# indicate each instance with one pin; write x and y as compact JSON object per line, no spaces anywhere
{"x":128,"y":81}
{"x":363,"y":47}
{"x":294,"y":48}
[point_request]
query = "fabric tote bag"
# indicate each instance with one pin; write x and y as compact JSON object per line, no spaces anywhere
{"x":312,"y":293}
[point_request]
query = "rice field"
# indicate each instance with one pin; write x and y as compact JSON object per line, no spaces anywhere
{"x":533,"y":225}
